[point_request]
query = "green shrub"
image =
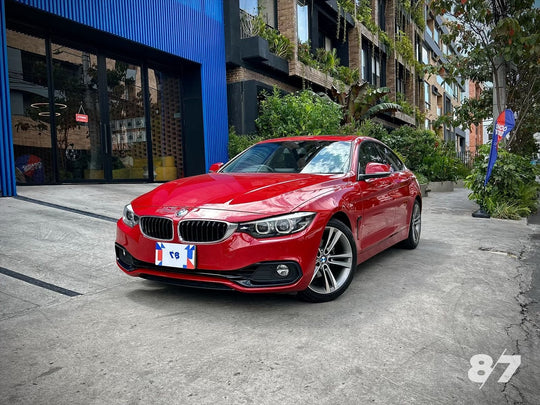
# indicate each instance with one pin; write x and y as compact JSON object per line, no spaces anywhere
{"x":424,"y":153}
{"x":373,"y":129}
{"x":442,"y":164}
{"x":301,"y":113}
{"x":238,"y":143}
{"x":415,"y":145}
{"x":327,"y":62}
{"x":278,"y":44}
{"x":421,"y":178}
{"x":512,"y":190}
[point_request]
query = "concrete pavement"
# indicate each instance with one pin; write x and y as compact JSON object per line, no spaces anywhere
{"x":75,"y":330}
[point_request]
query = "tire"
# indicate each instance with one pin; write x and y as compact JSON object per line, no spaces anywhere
{"x":415,"y":228}
{"x":335,"y":266}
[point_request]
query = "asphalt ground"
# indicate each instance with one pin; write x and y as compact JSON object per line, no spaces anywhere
{"x":75,"y":330}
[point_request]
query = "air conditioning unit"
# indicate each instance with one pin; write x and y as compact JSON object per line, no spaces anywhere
{"x":435,"y":90}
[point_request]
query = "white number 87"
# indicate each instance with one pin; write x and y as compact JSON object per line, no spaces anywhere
{"x":481,"y":367}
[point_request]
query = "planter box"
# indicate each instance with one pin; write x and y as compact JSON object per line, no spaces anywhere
{"x":459,"y":184}
{"x":424,"y":190}
{"x":256,"y":50}
{"x":441,"y":186}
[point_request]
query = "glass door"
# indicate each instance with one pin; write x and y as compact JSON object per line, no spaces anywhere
{"x":79,"y":137}
{"x":101,"y":131}
{"x":30,"y":108}
{"x":126,"y":120}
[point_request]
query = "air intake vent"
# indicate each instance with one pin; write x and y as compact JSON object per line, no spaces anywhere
{"x":200,"y":231}
{"x":157,"y":227}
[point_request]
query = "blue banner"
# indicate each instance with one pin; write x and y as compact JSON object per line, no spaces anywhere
{"x":505,"y":123}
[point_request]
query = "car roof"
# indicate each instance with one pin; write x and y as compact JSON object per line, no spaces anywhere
{"x":318,"y":138}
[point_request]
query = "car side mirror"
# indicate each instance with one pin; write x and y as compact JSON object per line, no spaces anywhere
{"x":375,"y":170}
{"x":215,"y":167}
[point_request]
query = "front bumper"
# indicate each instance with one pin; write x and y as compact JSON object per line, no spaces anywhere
{"x":240,"y":262}
{"x":259,"y":275}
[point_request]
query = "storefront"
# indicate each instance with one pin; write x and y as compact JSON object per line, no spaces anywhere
{"x":102,"y":92}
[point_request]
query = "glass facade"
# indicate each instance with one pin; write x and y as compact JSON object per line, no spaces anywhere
{"x":75,"y":83}
{"x":30,"y":109}
{"x":99,"y":130}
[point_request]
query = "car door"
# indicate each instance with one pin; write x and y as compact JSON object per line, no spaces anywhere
{"x":375,"y":198}
{"x":400,"y":188}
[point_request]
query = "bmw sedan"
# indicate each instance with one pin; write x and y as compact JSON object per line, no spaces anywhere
{"x":286,"y":215}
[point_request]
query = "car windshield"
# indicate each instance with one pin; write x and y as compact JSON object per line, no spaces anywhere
{"x":315,"y":157}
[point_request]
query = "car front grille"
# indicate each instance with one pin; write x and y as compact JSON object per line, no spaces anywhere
{"x":157,"y":227}
{"x":201,"y":231}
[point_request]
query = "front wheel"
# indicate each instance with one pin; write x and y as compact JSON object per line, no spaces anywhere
{"x":415,"y":227}
{"x":335,"y":265}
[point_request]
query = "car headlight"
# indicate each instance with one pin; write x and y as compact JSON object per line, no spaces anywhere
{"x":129,"y":217}
{"x":278,"y":226}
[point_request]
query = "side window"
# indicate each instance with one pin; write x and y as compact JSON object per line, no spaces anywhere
{"x":393,"y":160}
{"x":369,"y":152}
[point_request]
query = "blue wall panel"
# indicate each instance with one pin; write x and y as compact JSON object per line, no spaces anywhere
{"x":191,"y":29}
{"x":7,"y":160}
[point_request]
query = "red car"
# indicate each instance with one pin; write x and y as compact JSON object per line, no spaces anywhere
{"x":291,"y":214}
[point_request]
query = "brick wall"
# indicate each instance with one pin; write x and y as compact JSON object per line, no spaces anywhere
{"x":476,"y":134}
{"x":287,"y":22}
{"x":391,"y":61}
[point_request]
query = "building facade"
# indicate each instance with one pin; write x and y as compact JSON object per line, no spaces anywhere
{"x":110,"y":90}
{"x":386,"y":52}
{"x":476,"y":132}
{"x":440,"y":97}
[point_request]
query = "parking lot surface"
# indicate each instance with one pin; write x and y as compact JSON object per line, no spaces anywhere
{"x":75,"y":330}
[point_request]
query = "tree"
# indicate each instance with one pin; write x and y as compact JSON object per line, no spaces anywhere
{"x":498,"y":41}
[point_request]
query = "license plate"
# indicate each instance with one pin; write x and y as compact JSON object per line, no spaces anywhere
{"x":175,"y":255}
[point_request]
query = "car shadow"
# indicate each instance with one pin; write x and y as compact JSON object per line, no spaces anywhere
{"x":153,"y":293}
{"x":388,"y":266}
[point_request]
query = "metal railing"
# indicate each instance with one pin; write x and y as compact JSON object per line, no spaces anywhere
{"x":251,"y":25}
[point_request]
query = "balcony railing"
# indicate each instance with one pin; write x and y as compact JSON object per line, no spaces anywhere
{"x":251,"y":25}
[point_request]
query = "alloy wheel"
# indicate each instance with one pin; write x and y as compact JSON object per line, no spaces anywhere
{"x":334,"y":262}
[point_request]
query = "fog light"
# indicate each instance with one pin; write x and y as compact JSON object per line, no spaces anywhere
{"x":282,"y":270}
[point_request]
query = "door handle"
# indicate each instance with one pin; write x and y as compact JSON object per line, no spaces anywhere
{"x":105,"y":129}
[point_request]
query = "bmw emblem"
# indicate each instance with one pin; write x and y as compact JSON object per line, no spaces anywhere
{"x":182,"y":212}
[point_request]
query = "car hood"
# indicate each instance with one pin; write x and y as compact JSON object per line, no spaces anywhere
{"x":230,"y":196}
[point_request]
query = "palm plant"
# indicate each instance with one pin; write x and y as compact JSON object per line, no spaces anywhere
{"x":362,"y":101}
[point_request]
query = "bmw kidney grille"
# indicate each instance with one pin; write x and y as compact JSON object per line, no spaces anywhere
{"x":157,"y":227}
{"x":201,"y":231}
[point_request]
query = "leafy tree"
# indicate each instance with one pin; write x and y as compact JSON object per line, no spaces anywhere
{"x":499,"y":42}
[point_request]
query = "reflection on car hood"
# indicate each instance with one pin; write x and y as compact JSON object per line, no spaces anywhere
{"x":221,"y":196}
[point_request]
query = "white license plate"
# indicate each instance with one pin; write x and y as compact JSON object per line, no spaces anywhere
{"x":175,"y":255}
